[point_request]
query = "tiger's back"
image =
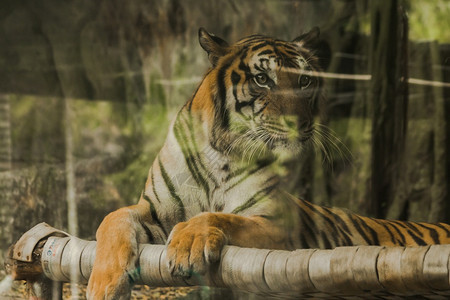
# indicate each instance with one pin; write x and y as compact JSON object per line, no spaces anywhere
{"x":328,"y":228}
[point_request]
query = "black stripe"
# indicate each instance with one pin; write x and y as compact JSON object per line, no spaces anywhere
{"x":418,"y":240}
{"x":235,"y":173}
{"x":175,"y":198}
{"x":268,"y":217}
{"x":308,"y":228}
{"x":189,"y":156}
{"x":260,"y":164}
{"x":293,"y":53}
{"x":339,"y":220}
{"x":383,"y":223}
{"x":335,"y":237}
{"x":149,"y":234}
{"x":336,"y":223}
{"x":252,"y":38}
{"x":433,"y":233}
{"x":218,"y":207}
{"x":443,"y":228}
{"x":256,"y":198}
{"x":347,"y":239}
{"x":360,"y":229}
{"x":400,"y":223}
{"x":242,"y":66}
{"x":256,"y":113}
{"x":343,"y":228}
{"x":284,"y":45}
{"x":257,"y":67}
{"x":405,"y":225}
{"x":154,"y":186}
{"x":154,"y":215}
{"x":319,"y":213}
{"x":197,"y":152}
{"x":235,"y":79}
{"x":268,"y":51}
{"x":250,"y":202}
{"x":259,"y":46}
{"x":412,"y":226}
{"x":327,"y":218}
{"x":399,"y":233}
{"x":372,"y":232}
{"x":222,"y":114}
{"x":325,"y":240}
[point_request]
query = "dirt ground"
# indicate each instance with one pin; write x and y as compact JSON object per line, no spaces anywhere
{"x":18,"y":290}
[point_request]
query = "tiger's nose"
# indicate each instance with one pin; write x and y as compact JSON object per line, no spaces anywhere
{"x":296,"y":123}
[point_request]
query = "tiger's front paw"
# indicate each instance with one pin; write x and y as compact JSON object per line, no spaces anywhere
{"x":114,"y":270}
{"x":109,"y":284}
{"x":194,"y":244}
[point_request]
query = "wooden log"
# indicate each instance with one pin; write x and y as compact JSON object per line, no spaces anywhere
{"x":436,"y":267}
{"x":412,"y":274}
{"x":364,"y":266}
{"x":341,"y":271}
{"x":23,"y":270}
{"x":38,"y":286}
{"x":390,"y":272}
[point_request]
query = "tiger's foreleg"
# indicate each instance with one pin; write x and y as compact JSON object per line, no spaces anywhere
{"x":117,"y":252}
{"x":194,"y":244}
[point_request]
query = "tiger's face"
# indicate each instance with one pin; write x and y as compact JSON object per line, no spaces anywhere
{"x":266,"y":92}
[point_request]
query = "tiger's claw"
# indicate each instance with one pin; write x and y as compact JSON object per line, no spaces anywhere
{"x":194,"y":245}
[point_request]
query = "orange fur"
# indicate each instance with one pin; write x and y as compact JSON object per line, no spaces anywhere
{"x":117,"y":251}
{"x":203,"y":103}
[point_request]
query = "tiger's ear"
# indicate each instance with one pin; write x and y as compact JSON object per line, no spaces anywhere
{"x":309,"y":39}
{"x":213,"y":45}
{"x":320,"y":47}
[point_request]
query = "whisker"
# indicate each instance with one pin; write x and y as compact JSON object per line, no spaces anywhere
{"x":331,"y":146}
{"x":317,"y":142}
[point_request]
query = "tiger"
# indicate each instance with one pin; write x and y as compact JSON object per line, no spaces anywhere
{"x":216,"y":180}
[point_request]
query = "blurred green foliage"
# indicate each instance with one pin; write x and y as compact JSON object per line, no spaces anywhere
{"x":429,"y":20}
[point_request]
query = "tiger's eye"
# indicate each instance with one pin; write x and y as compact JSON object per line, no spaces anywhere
{"x":262,"y":79}
{"x":304,"y":81}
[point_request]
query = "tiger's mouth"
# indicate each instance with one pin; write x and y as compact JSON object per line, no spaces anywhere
{"x":268,"y":137}
{"x":277,"y":133}
{"x":286,"y":141}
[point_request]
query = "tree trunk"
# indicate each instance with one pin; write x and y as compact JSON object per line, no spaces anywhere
{"x":5,"y":134}
{"x":439,"y":188}
{"x":6,"y":209}
{"x":388,"y":100}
